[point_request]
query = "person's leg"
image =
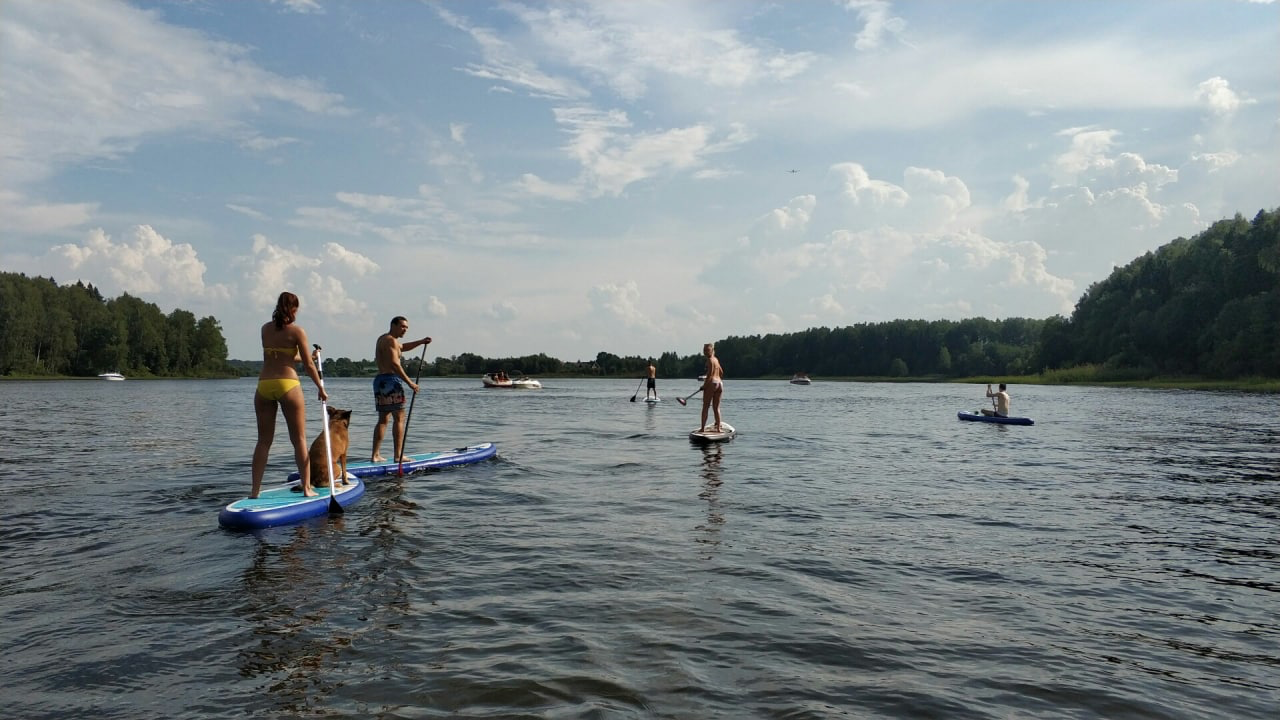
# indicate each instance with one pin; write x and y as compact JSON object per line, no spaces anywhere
{"x":265,"y":410}
{"x":397,"y":435}
{"x":294,"y":408}
{"x":706,"y":405}
{"x":379,"y":431}
{"x":715,"y":404}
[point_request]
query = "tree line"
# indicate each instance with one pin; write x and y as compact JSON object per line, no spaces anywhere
{"x":51,"y":329}
{"x":1208,"y":306}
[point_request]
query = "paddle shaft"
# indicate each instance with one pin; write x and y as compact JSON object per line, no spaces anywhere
{"x":404,"y":434}
{"x":685,"y":399}
{"x":637,"y":393}
{"x":334,"y":507}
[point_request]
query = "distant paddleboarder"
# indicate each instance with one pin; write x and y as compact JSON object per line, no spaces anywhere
{"x":651,"y":390}
{"x":712,"y":387}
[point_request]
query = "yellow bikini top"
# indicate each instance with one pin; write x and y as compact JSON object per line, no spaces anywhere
{"x":291,"y":352}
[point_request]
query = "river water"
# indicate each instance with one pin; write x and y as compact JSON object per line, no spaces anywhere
{"x":855,"y":552}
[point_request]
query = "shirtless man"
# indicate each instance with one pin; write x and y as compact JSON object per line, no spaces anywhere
{"x":653,"y":382}
{"x":712,"y":387}
{"x":388,"y":393}
{"x":1001,"y":402}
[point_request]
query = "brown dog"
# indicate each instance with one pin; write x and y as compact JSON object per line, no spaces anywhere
{"x":339,"y":421}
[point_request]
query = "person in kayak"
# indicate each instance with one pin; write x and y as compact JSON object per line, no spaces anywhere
{"x":1001,"y":401}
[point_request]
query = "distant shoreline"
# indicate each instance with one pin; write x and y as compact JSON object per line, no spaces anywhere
{"x":1247,"y":385}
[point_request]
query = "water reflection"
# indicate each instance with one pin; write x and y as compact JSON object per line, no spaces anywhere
{"x":712,"y":456}
{"x":285,"y":593}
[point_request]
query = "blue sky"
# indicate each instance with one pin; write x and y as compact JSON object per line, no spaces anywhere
{"x":575,"y":177}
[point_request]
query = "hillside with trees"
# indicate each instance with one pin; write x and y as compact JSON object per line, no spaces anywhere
{"x":51,"y":329}
{"x":1204,"y":307}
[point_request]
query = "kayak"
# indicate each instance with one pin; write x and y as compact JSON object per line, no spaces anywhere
{"x":707,"y":436}
{"x":281,"y":506}
{"x":979,"y":417}
{"x":422,"y":461}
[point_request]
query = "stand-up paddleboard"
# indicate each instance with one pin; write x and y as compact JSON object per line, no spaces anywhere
{"x":282,"y":506}
{"x":653,"y":400}
{"x":422,"y":461}
{"x":727,"y":433}
{"x":979,"y":417}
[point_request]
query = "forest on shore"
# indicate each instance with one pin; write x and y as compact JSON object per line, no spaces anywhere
{"x":1200,"y":307}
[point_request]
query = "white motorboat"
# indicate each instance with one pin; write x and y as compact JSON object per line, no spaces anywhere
{"x":526,"y":383}
{"x":801,"y":379}
{"x":110,"y":376}
{"x":494,"y":380}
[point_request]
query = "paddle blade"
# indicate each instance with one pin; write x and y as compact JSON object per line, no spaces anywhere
{"x":633,"y":397}
{"x":680,"y":400}
{"x":334,"y":507}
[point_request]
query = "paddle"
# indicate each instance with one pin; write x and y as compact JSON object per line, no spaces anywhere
{"x":334,"y":507}
{"x":685,"y":399}
{"x":404,"y":434}
{"x":633,"y":397}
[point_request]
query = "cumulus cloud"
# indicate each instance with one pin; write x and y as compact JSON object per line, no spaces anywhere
{"x":619,"y":303}
{"x":147,"y":264}
{"x":435,"y":308}
{"x":503,"y":311}
{"x":878,"y":21}
{"x":1216,"y":96}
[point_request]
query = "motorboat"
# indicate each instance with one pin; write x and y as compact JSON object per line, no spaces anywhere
{"x":496,"y":380}
{"x":110,"y":376}
{"x":801,"y":379}
{"x":500,"y":380}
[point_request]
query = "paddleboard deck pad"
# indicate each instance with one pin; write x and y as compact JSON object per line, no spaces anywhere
{"x":281,"y":506}
{"x":979,"y":417}
{"x":727,"y":433}
{"x":422,"y":461}
{"x":653,"y":400}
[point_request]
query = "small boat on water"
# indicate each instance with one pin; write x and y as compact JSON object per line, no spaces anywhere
{"x":110,"y":376}
{"x":801,"y":379}
{"x":501,"y":380}
{"x":979,"y":417}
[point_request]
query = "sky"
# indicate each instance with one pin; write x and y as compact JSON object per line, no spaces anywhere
{"x":628,"y":177}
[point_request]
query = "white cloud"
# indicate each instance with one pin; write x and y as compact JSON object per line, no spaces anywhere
{"x":503,"y":311}
{"x":878,"y":21}
{"x":150,"y":265}
{"x":435,"y":308}
{"x":20,"y":215}
{"x":247,"y":211}
{"x":1216,"y":96}
{"x":146,"y":79}
{"x":619,"y":303}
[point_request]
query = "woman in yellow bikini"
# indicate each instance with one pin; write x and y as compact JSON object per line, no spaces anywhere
{"x":283,"y":344}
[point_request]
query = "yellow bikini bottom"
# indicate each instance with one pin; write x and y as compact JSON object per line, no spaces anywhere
{"x":276,"y":388}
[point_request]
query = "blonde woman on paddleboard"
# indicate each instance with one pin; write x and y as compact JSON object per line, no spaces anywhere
{"x":712,"y":387}
{"x":283,"y":344}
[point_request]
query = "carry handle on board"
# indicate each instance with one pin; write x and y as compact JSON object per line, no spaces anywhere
{"x":334,"y":507}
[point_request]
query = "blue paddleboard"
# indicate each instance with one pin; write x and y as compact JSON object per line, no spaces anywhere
{"x":281,"y":506}
{"x":422,"y":461}
{"x":979,"y":417}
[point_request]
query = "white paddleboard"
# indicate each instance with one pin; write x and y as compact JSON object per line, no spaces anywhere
{"x":727,"y":433}
{"x":653,"y":400}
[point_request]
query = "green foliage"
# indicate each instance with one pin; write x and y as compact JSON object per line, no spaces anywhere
{"x":1208,"y":306}
{"x":47,"y":329}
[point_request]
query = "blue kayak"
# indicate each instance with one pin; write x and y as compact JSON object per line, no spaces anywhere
{"x":422,"y":461}
{"x":979,"y":417}
{"x":282,"y":506}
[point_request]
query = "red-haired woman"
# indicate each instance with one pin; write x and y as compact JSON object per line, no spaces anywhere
{"x":283,"y":344}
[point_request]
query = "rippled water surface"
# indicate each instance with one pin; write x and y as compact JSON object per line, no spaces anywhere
{"x":855,"y":552}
